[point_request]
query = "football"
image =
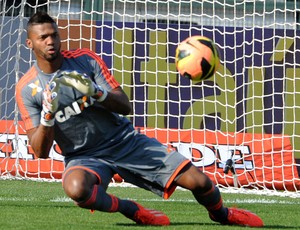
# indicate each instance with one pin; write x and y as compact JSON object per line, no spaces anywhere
{"x":197,"y":58}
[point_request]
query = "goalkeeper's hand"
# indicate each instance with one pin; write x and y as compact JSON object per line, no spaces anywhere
{"x":83,"y":84}
{"x":50,"y":103}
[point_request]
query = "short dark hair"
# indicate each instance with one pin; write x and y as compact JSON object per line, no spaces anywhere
{"x":39,"y":18}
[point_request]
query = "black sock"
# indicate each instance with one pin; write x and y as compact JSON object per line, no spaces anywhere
{"x":212,"y":201}
{"x":128,"y":208}
{"x":102,"y":201}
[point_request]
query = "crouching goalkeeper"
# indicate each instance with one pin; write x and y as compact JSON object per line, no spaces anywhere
{"x":70,"y":97}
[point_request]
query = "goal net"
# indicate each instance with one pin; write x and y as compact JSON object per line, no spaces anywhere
{"x":241,"y":127}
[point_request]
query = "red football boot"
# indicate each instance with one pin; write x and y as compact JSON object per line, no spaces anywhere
{"x":242,"y":218}
{"x":145,"y":216}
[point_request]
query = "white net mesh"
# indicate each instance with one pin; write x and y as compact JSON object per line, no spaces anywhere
{"x":248,"y":114}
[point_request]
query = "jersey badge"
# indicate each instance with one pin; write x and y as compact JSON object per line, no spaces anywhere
{"x":35,"y":87}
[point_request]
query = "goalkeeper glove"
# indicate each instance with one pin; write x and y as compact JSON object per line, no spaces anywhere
{"x":50,"y":103}
{"x":83,"y":84}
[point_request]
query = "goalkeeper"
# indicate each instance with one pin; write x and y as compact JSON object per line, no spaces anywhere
{"x":71,"y":98}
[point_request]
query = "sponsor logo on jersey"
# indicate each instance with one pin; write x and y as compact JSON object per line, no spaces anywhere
{"x":74,"y":109}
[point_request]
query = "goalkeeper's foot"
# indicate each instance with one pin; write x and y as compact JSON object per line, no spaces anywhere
{"x":242,"y":218}
{"x":144,"y":216}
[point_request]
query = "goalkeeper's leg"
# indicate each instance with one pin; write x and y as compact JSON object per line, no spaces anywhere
{"x":85,"y":189}
{"x":208,"y":195}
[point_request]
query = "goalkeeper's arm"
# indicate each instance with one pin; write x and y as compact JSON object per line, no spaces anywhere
{"x":41,"y":138}
{"x":117,"y":101}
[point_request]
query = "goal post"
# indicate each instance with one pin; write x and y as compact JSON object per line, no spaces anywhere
{"x":241,"y":127}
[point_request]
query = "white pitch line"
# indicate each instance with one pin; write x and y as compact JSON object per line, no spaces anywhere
{"x":234,"y":201}
{"x":231,"y":201}
{"x":16,"y":199}
{"x":61,"y":199}
{"x":260,"y":201}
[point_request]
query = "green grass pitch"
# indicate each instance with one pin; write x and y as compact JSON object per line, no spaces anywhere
{"x":43,"y":205}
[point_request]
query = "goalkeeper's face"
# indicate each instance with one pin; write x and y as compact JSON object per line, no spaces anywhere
{"x":44,"y":40}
